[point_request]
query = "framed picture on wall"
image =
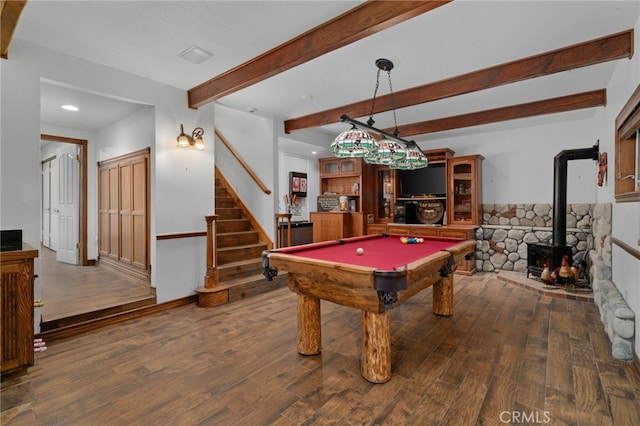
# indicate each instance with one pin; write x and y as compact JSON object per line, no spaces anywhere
{"x":298,"y":184}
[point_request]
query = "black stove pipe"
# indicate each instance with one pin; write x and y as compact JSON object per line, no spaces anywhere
{"x":560,"y":189}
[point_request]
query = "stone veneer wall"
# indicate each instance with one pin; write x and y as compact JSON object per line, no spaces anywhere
{"x":501,"y":244}
{"x":501,"y":240}
{"x":616,"y":316}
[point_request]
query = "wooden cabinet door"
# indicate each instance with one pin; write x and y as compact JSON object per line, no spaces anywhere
{"x":331,"y":167}
{"x":124,"y":200}
{"x":464,"y":190}
{"x":16,"y":309}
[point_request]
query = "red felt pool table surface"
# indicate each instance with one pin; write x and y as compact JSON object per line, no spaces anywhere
{"x":383,"y":252}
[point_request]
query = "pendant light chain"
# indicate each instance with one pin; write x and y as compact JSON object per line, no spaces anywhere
{"x":371,"y":121}
{"x":393,"y":105}
{"x":392,"y":150}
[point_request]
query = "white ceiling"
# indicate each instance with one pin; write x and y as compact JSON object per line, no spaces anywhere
{"x":145,"y":38}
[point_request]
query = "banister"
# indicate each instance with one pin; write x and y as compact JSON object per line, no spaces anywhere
{"x":255,"y":178}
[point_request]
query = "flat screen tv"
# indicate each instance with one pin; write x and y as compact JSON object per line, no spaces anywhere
{"x":431,"y":180}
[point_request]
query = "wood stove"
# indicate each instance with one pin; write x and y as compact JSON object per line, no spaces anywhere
{"x":540,"y":253}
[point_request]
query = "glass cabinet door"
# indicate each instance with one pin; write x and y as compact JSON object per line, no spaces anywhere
{"x":384,"y":194}
{"x":348,"y":165}
{"x":330,"y":167}
{"x":462,"y":193}
{"x":464,"y":190}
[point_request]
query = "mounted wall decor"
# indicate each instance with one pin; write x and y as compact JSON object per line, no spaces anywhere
{"x":298,"y":184}
{"x":602,"y":169}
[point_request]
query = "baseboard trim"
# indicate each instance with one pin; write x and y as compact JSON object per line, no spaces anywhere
{"x":75,"y":329}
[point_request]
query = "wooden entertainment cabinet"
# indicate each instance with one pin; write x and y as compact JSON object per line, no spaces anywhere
{"x":16,"y":310}
{"x":374,"y":191}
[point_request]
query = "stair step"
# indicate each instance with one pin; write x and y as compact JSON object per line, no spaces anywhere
{"x":236,"y":253}
{"x":221,"y":191}
{"x":224,"y":202}
{"x":229,"y":213}
{"x":241,"y":269}
{"x":254,"y":285}
{"x":239,"y":250}
{"x":230,"y":239}
{"x":232,"y":225}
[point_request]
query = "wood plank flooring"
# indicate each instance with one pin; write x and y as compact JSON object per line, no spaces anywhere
{"x":507,"y":356}
{"x":69,"y":291}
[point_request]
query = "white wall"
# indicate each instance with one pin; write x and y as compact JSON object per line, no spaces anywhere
{"x":300,"y":164}
{"x":252,"y":137}
{"x":626,"y":216}
{"x":181,"y":182}
{"x":518,"y":163}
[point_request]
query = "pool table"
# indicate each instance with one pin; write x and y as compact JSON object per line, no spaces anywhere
{"x":386,"y":274}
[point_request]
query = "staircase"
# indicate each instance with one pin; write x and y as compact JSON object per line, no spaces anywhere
{"x":239,"y":249}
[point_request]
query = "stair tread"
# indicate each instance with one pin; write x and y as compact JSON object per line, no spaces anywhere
{"x":251,"y":231}
{"x":241,"y":262}
{"x":242,"y":246}
{"x":244,"y":280}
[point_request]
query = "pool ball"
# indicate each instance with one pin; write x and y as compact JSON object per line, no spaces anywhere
{"x":360,"y":251}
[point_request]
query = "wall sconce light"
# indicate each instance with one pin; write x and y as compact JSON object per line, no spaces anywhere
{"x":193,"y":141}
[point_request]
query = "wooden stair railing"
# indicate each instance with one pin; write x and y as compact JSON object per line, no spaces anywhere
{"x":244,"y":165}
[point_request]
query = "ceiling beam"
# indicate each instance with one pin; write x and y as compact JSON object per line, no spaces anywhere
{"x":612,"y":47}
{"x":9,"y":15}
{"x":583,"y":100}
{"x":363,"y":20}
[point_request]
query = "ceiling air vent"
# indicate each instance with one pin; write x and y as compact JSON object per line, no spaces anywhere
{"x":195,"y":55}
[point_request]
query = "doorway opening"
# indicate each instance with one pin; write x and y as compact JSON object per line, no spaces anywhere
{"x":74,"y":288}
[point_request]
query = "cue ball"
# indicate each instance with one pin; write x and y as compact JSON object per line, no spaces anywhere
{"x":360,"y":251}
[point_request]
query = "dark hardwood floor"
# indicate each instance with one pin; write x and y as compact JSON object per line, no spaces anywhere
{"x":508,"y":355}
{"x":70,"y":291}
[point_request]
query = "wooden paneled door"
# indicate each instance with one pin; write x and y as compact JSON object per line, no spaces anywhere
{"x":123,"y":210}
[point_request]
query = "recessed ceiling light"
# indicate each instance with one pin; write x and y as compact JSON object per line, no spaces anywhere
{"x":314,"y":152}
{"x":195,"y":55}
{"x":70,"y":107}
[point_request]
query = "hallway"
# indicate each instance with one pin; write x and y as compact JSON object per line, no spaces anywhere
{"x":71,"y":293}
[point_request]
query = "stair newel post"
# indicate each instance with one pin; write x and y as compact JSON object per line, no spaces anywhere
{"x":212,"y":294}
{"x":211,"y":277}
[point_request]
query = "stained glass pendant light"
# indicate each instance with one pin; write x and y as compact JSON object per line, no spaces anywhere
{"x":353,"y":143}
{"x":392,"y":151}
{"x":414,"y":159}
{"x":387,"y":152}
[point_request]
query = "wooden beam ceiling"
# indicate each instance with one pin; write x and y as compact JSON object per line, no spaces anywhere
{"x":583,"y":100}
{"x":612,"y":47}
{"x":9,"y":15}
{"x":364,"y":20}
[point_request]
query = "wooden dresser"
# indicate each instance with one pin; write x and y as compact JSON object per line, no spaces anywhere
{"x":16,"y":309}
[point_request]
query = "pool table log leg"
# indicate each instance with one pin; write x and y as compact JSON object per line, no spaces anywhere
{"x":443,"y":296}
{"x":376,"y":346}
{"x":309,"y":332}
